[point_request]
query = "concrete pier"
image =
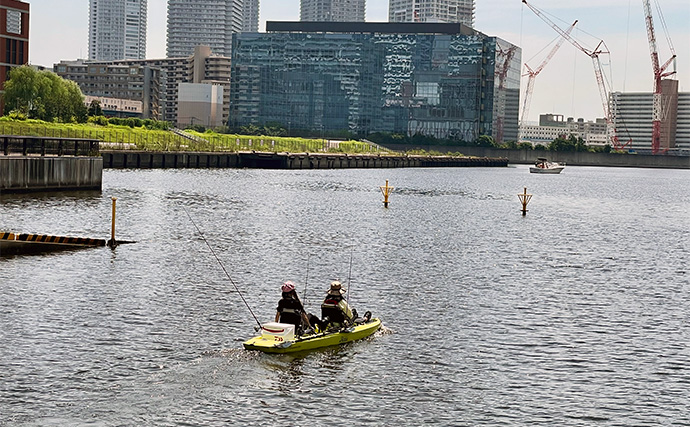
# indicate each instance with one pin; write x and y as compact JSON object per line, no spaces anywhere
{"x":267,"y":160}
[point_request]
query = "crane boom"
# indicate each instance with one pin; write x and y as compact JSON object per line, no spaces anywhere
{"x":598,"y":73}
{"x":659,"y":72}
{"x":532,"y":74}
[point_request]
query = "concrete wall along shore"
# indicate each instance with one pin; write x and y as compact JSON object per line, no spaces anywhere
{"x":663,"y":161}
{"x":41,"y":173}
{"x":267,"y":160}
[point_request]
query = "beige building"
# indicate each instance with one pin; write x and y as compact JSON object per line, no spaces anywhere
{"x":200,"y":104}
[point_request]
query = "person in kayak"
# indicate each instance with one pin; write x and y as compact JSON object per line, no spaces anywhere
{"x":335,"y":310}
{"x":290,"y":309}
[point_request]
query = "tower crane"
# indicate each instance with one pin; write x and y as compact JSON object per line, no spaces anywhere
{"x":658,"y":112}
{"x":532,"y":74}
{"x":594,"y":54}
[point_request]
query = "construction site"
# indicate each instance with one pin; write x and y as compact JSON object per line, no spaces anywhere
{"x":656,"y":122}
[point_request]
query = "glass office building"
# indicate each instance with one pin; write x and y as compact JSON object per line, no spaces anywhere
{"x":445,"y":80}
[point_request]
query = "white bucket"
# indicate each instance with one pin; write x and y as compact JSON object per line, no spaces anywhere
{"x":278,"y":332}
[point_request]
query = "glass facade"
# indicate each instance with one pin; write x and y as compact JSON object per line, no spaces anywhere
{"x":446,"y":85}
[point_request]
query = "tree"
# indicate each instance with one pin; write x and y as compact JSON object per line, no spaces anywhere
{"x":21,"y":89}
{"x":95,"y":108}
{"x":43,"y":95}
{"x":485,"y":141}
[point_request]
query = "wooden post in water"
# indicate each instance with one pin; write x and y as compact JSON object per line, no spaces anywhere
{"x":524,"y":199}
{"x":112,"y":242}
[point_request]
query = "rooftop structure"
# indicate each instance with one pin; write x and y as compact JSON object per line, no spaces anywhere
{"x":117,"y":29}
{"x":332,"y":10}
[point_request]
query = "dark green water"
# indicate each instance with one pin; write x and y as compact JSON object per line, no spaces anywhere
{"x":576,"y":314}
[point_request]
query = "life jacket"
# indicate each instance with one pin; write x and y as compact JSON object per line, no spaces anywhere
{"x":336,"y":309}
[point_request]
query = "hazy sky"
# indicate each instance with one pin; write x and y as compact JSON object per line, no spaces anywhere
{"x":59,"y":30}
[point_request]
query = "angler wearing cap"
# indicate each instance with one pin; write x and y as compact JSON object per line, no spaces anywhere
{"x":290,"y":309}
{"x":335,"y":310}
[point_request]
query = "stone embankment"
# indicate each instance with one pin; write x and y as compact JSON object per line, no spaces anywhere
{"x":147,"y":159}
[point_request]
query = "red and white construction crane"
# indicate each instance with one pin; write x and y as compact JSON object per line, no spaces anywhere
{"x":658,"y":110}
{"x":600,"y":49}
{"x":532,"y":74}
{"x":503,"y":59}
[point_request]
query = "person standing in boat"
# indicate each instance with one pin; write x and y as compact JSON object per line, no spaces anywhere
{"x":290,"y":309}
{"x":335,"y":310}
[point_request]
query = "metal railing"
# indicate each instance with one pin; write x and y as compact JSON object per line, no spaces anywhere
{"x":45,"y":146}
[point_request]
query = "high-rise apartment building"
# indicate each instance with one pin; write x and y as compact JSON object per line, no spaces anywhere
{"x":211,"y":23}
{"x":451,"y":11}
{"x":250,"y":16}
{"x":332,"y":10}
{"x":633,"y":119}
{"x":117,"y":29}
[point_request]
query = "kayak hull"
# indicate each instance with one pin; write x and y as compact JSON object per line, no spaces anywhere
{"x":315,"y":341}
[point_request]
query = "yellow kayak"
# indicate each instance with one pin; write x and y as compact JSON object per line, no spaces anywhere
{"x":279,"y":337}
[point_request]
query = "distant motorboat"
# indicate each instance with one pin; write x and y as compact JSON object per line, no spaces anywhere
{"x":542,"y":165}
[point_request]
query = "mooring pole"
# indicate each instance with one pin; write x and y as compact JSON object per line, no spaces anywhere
{"x":112,"y":242}
{"x":386,"y":190}
{"x":524,"y":199}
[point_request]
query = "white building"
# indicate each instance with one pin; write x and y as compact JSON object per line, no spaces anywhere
{"x":552,"y":126}
{"x":633,"y":120}
{"x":116,"y":107}
{"x":208,"y":22}
{"x":332,"y":10}
{"x":450,"y":11}
{"x":200,"y":104}
{"x":250,"y":16}
{"x":117,"y":29}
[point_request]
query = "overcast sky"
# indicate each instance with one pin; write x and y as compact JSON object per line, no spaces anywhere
{"x":567,"y":85}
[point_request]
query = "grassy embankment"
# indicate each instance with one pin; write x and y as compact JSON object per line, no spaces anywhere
{"x":126,"y":138}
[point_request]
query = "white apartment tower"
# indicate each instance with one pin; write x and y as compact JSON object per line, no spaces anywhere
{"x":211,"y":23}
{"x":250,"y":16}
{"x":117,"y":29}
{"x":332,"y":10}
{"x":450,"y":11}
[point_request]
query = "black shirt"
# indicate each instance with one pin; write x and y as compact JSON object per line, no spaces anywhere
{"x":293,"y":314}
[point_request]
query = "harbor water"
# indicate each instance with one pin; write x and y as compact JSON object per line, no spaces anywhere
{"x":575,"y":314}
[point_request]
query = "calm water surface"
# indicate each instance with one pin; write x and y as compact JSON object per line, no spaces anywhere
{"x":576,"y":314}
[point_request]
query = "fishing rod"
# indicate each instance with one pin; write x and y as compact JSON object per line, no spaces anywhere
{"x":306,"y":281}
{"x":222,"y":266}
{"x":349,"y":275}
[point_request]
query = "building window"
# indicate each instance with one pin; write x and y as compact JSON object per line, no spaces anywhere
{"x":14,"y":22}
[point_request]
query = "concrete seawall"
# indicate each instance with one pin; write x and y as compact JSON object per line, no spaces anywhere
{"x":570,"y":158}
{"x":45,"y":173}
{"x":144,"y":159}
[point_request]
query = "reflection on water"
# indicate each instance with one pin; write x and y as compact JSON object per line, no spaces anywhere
{"x":571,"y":315}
